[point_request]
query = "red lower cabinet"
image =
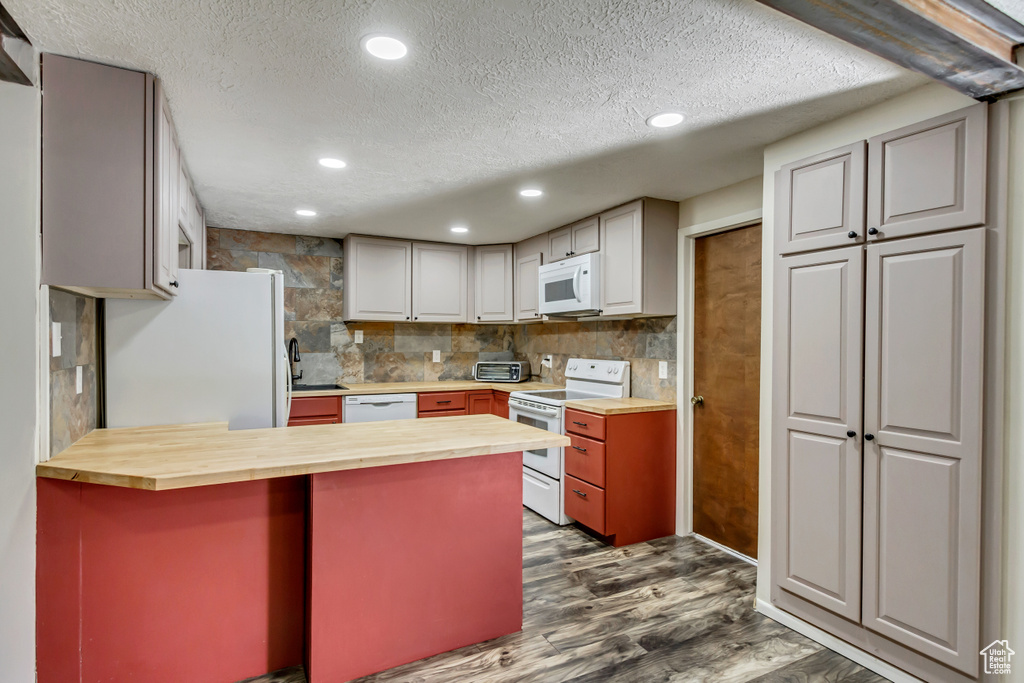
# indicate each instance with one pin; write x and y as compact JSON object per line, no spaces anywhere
{"x":621,"y":474}
{"x":315,"y":410}
{"x":480,"y":402}
{"x":500,"y":406}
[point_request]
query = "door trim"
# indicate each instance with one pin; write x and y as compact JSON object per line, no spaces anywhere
{"x":684,"y":351}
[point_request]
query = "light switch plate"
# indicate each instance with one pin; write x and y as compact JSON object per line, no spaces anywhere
{"x":437,"y":356}
{"x":56,"y":340}
{"x":78,"y":379}
{"x":357,"y":336}
{"x":662,"y":369}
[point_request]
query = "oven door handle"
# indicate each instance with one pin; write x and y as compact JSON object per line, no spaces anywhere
{"x":533,"y":411}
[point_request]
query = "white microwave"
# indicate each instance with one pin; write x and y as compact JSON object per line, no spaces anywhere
{"x":571,"y":287}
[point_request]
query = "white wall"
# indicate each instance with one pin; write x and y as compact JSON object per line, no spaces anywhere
{"x":718,"y":204}
{"x":1013,"y":467}
{"x":19,"y":288}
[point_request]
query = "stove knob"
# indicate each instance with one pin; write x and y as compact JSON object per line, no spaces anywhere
{"x":616,"y":371}
{"x":609,"y":371}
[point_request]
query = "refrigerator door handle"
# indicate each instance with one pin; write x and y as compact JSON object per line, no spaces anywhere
{"x":288,"y":408}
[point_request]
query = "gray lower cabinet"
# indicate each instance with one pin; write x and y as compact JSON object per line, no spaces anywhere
{"x":816,"y":468}
{"x":929,"y":176}
{"x":876,"y":471}
{"x":820,"y":200}
{"x":924,"y":366}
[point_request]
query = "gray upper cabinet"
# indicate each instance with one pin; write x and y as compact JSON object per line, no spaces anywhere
{"x":816,"y":465}
{"x":924,"y":362}
{"x":440,"y":283}
{"x":111,"y":208}
{"x":527,"y":294}
{"x":377,"y":279}
{"x":929,"y":176}
{"x":638,"y":259}
{"x":574,"y":240}
{"x":492,"y":283}
{"x":820,"y":201}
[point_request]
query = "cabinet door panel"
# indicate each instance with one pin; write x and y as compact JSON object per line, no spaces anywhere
{"x":816,"y":466}
{"x":622,"y":260}
{"x":820,"y":200}
{"x":586,"y":236}
{"x":165,"y":247}
{"x":929,"y":176}
{"x":493,"y":283}
{"x":527,"y":300}
{"x":440,"y":279}
{"x":922,"y":472}
{"x":559,"y":244}
{"x":378,"y":279}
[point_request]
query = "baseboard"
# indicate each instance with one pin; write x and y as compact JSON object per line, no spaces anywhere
{"x":835,"y":644}
{"x":738,"y":555}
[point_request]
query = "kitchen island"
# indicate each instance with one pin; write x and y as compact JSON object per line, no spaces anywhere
{"x":192,"y":552}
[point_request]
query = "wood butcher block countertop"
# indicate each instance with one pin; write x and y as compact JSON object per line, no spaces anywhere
{"x":620,"y":406}
{"x":181,"y":456}
{"x":426,"y":387}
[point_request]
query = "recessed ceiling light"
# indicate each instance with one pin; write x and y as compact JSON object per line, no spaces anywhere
{"x":385,"y":47}
{"x":531,"y":193}
{"x":305,"y":212}
{"x":332,"y":163}
{"x":459,"y":228}
{"x":665,"y":120}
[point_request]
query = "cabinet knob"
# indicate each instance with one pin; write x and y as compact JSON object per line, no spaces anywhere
{"x":872,"y":231}
{"x":869,"y":437}
{"x":406,"y":317}
{"x":174,"y":284}
{"x":568,"y":254}
{"x":478,"y":317}
{"x":852,"y":234}
{"x":415,"y":318}
{"x":851,"y":433}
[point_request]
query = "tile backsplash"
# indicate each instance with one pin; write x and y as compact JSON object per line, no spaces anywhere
{"x":73,"y":415}
{"x":392,"y":352}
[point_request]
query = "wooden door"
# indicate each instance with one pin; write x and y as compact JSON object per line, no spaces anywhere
{"x":559,"y":244}
{"x":816,"y":428}
{"x":493,"y":283}
{"x":440,"y":280}
{"x":378,"y":279}
{"x":527,"y":300}
{"x":923,"y":363}
{"x":929,"y":176}
{"x":727,"y":351}
{"x":622,"y":260}
{"x":820,"y":201}
{"x":586,"y":236}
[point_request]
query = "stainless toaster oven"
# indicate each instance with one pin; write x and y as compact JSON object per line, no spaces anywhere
{"x":501,"y":371}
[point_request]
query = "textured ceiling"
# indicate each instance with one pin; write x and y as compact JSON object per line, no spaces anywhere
{"x":494,"y":95}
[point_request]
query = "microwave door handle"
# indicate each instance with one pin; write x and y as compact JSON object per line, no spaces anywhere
{"x":576,"y":284}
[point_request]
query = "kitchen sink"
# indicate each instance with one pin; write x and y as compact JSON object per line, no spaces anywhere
{"x":316,"y":387}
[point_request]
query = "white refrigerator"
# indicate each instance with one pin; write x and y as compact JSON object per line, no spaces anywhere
{"x":214,"y":353}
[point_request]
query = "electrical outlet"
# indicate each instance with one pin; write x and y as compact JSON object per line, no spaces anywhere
{"x":662,"y":369}
{"x":357,"y":336}
{"x":56,"y":340}
{"x":546,"y":361}
{"x":78,"y":379}
{"x":437,"y":356}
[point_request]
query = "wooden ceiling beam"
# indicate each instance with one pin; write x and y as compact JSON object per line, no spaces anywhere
{"x":967,"y":44}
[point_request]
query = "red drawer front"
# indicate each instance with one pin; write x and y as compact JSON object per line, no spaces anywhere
{"x":585,"y":504}
{"x":444,"y":413}
{"x":445,"y":400}
{"x":584,"y":424}
{"x":584,"y":459}
{"x":302,"y":421}
{"x":315,"y":406}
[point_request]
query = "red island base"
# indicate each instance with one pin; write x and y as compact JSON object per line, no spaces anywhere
{"x":353,"y":572}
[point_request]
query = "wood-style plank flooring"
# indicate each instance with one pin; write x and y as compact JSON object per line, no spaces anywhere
{"x":674,"y":609}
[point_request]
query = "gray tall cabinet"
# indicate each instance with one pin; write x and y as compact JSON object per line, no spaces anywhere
{"x":878,"y":378}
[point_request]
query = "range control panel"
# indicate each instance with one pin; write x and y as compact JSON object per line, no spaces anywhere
{"x":614,"y":371}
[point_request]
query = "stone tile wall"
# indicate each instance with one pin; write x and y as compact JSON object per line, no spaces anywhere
{"x":73,"y":415}
{"x":393,"y":352}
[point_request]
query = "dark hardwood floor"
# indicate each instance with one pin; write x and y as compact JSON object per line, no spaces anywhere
{"x":674,"y":609}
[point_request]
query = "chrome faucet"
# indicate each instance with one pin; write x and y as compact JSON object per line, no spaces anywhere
{"x":293,"y":357}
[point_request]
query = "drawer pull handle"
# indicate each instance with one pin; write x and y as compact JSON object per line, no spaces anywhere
{"x":579,"y":493}
{"x":581,"y":450}
{"x":440,"y":402}
{"x":581,"y":424}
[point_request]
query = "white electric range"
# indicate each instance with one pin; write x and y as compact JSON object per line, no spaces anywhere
{"x":544,"y":469}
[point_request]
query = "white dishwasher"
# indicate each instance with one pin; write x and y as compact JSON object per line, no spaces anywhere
{"x":378,"y":407}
